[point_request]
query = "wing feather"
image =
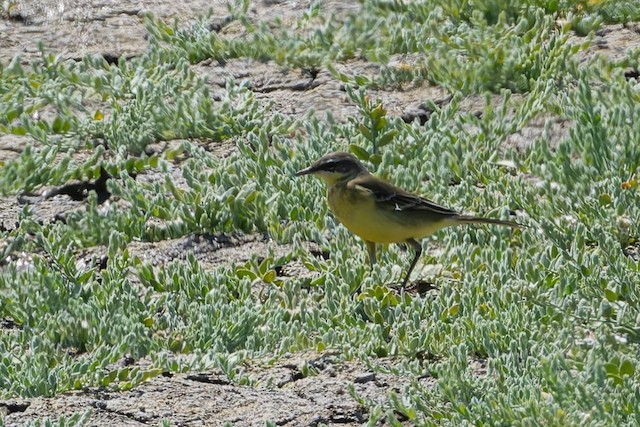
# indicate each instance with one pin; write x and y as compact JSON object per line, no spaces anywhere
{"x":394,"y":198}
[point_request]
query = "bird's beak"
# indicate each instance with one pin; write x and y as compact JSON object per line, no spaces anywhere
{"x":305,"y":171}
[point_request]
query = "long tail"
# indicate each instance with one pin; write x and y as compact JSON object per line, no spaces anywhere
{"x":479,"y":220}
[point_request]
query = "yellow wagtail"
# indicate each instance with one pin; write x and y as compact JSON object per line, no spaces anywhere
{"x":379,"y":212}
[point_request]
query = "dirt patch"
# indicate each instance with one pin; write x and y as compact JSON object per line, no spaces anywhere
{"x":213,"y":251}
{"x":612,"y":41}
{"x":300,"y":390}
{"x":115,"y":29}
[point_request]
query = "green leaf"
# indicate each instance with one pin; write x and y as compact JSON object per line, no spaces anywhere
{"x":605,"y":200}
{"x":365,"y":131}
{"x":454,"y":309}
{"x":11,"y":115}
{"x":57,"y":125}
{"x":612,"y":366}
{"x":359,"y":152}
{"x":381,"y":123}
{"x":153,"y":161}
{"x":243,"y":272}
{"x":18,"y":130}
{"x":387,"y":137}
{"x":123,"y":374}
{"x":627,"y":368}
{"x":378,"y":113}
{"x":85,"y":276}
{"x":611,"y":295}
{"x":269,"y":277}
{"x":361,"y":80}
{"x":376,"y":159}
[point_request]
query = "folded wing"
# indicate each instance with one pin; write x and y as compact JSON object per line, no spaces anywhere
{"x":391,"y":197}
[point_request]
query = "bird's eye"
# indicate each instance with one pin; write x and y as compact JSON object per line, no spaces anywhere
{"x":336,"y":167}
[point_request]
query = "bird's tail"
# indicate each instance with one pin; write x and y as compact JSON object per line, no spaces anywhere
{"x":467,"y":219}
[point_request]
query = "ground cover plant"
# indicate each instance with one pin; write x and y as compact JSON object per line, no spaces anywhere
{"x":534,"y":327}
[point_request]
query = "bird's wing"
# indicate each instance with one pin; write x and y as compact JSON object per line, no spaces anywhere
{"x":393,"y":198}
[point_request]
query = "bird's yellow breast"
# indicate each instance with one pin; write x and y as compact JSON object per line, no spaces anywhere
{"x":358,"y":212}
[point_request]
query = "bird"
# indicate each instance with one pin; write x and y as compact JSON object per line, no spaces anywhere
{"x":380,"y":212}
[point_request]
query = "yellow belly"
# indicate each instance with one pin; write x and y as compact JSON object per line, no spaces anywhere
{"x":358,"y":214}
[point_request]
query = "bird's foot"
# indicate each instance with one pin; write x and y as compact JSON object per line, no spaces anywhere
{"x":420,"y":287}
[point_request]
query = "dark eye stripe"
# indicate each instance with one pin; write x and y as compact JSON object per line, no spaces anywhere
{"x":336,"y":165}
{"x":331,"y":165}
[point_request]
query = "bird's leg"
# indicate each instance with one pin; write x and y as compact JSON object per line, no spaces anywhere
{"x":371,"y":248}
{"x":417,"y":247}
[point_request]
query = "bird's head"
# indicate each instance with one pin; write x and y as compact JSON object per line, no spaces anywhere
{"x":335,"y":167}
